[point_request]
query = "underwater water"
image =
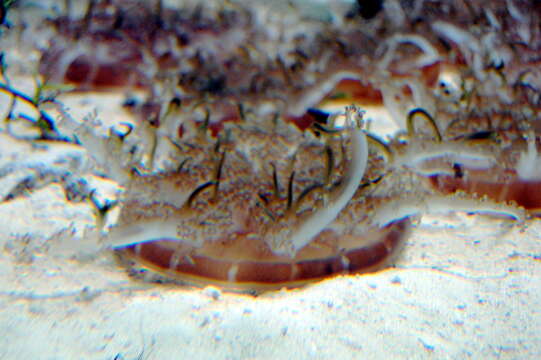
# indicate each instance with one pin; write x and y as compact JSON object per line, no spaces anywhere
{"x":84,"y":154}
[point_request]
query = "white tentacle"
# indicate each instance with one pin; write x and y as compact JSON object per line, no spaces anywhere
{"x":314,"y":224}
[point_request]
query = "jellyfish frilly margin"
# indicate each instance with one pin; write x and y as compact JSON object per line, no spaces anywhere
{"x":305,"y":231}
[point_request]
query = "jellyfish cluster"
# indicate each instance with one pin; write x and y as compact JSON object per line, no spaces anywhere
{"x":263,"y":145}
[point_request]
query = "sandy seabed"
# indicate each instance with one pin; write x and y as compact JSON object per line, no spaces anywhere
{"x":465,"y":286}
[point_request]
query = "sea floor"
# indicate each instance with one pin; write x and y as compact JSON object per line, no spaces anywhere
{"x":465,"y":286}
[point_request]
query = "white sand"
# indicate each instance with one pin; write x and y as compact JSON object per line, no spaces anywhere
{"x":465,"y":287}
